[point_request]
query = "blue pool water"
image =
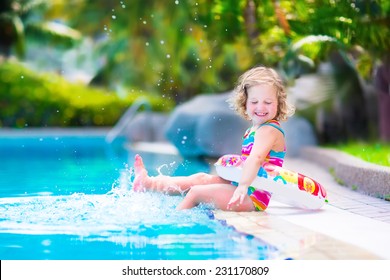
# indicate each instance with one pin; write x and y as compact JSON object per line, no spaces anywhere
{"x":69,"y":197}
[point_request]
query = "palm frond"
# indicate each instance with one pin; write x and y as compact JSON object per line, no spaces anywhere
{"x":20,"y":38}
{"x":313,"y":39}
{"x":54,"y":31}
{"x":313,"y":89}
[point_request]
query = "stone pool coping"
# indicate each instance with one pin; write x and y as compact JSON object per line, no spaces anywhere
{"x":293,"y":241}
{"x":54,"y":131}
{"x":365,"y":177}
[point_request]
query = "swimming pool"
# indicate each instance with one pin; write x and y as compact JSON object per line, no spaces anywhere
{"x":68,"y":196}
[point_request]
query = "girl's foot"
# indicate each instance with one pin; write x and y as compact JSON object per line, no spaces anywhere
{"x":141,"y":175}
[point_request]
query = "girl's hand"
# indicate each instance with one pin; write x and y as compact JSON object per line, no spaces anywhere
{"x":237,"y":198}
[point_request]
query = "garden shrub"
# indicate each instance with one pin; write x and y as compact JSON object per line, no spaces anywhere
{"x":36,"y":99}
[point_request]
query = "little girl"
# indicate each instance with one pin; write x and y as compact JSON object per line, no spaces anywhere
{"x":260,"y":98}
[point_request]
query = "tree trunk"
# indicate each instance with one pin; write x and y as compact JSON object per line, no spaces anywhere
{"x":382,"y":84}
{"x":251,"y":22}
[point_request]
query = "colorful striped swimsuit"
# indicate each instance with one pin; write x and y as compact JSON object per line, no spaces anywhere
{"x":261,"y":198}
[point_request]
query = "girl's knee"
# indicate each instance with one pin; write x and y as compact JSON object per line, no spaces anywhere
{"x":192,"y":198}
{"x":194,"y":192}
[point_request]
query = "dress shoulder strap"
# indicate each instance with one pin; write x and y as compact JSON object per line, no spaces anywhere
{"x":273,"y":123}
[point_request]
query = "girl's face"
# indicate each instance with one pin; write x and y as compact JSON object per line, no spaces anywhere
{"x":262,"y":103}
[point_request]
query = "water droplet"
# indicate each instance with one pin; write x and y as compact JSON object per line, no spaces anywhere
{"x":113,"y":16}
{"x":177,"y":2}
{"x":22,"y":77}
{"x":168,"y":56}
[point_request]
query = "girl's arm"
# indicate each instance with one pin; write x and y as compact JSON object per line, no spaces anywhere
{"x":265,"y":139}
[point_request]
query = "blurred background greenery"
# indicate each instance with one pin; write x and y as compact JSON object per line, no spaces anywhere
{"x":84,"y":62}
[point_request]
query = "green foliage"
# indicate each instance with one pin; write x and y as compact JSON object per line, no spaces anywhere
{"x":177,"y":48}
{"x":29,"y":99}
{"x":226,"y":20}
{"x":24,"y":19}
{"x":185,"y":47}
{"x":354,"y":24}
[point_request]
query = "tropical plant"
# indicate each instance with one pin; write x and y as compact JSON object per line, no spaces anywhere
{"x":354,"y":36}
{"x":182,"y":48}
{"x":167,"y":47}
{"x":24,"y":18}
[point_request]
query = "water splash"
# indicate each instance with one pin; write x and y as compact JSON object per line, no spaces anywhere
{"x":168,"y":166}
{"x":81,"y":214}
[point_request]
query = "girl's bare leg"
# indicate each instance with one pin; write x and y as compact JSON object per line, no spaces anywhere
{"x":167,"y":184}
{"x":217,"y":194}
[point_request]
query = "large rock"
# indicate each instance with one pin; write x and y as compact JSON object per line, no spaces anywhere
{"x":206,"y":126}
{"x":146,"y":127}
{"x":299,"y":133}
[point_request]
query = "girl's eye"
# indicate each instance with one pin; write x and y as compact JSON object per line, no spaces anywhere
{"x":254,"y":102}
{"x":268,"y":102}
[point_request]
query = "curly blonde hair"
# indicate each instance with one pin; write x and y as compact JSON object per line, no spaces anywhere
{"x":257,"y":76}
